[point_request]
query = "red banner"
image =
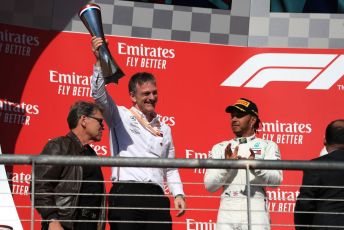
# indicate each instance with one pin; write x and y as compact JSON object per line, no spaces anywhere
{"x":298,"y":92}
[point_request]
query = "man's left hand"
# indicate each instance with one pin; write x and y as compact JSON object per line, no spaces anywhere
{"x":180,"y":205}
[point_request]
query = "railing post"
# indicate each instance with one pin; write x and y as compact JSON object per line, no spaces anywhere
{"x":248,"y":184}
{"x":33,"y":195}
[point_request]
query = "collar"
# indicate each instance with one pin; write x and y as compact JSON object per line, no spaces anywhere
{"x":243,"y":140}
{"x":74,"y":138}
{"x":334,"y":147}
{"x":153,"y":127}
{"x":154,"y":122}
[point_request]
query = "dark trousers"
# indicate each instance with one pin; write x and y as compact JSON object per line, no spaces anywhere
{"x":84,"y":216}
{"x":160,"y":204}
{"x":77,"y":226}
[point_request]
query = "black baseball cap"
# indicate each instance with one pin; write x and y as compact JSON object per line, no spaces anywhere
{"x":244,"y":105}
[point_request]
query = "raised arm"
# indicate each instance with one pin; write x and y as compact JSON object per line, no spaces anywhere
{"x":98,"y":89}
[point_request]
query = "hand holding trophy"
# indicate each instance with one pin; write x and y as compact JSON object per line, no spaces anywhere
{"x":90,"y":15}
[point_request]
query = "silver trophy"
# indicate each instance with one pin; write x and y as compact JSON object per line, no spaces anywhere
{"x":90,"y":15}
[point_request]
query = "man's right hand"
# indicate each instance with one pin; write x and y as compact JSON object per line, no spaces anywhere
{"x":96,"y":43}
{"x":229,"y":154}
{"x":55,"y":225}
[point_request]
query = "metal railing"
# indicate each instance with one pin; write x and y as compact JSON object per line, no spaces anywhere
{"x":12,"y":159}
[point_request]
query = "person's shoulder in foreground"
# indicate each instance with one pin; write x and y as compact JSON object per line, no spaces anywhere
{"x":319,"y":187}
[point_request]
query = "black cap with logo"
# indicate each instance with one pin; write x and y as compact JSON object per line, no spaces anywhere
{"x":244,"y":105}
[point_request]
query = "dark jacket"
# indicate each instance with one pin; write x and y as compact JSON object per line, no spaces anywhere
{"x":68,"y":145}
{"x":321,"y":178}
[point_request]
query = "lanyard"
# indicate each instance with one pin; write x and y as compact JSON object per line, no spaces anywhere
{"x":153,"y":130}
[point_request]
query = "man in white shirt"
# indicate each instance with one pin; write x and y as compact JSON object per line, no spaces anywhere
{"x":137,"y":132}
{"x":232,"y":213}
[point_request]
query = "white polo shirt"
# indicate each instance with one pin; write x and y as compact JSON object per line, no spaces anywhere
{"x":128,"y":138}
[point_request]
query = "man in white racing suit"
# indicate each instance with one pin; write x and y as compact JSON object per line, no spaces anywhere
{"x":232,"y":212}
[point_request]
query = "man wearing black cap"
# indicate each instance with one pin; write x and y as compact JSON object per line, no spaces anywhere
{"x":233,"y":208}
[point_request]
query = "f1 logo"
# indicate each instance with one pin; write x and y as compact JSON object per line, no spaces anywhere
{"x":321,"y":70}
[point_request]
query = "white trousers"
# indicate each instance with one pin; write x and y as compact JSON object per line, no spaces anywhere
{"x":232,"y":214}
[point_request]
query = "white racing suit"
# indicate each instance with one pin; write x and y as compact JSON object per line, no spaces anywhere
{"x":232,"y":213}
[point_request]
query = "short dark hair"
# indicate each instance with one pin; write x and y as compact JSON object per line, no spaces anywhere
{"x":140,"y":78}
{"x":80,"y":108}
{"x":335,"y":132}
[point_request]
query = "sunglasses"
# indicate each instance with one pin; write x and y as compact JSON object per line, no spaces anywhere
{"x":98,"y":119}
{"x":238,"y":114}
